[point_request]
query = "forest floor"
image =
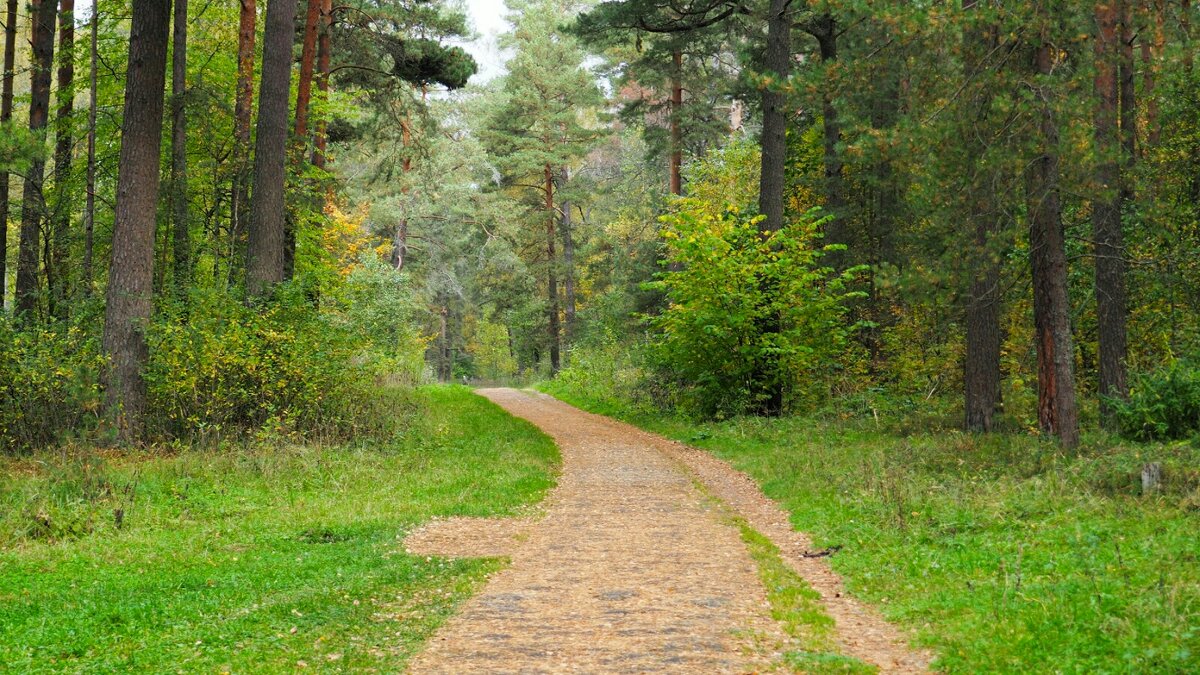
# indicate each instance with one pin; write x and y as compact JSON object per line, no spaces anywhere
{"x":649,"y":557}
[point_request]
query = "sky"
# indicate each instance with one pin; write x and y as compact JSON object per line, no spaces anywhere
{"x":488,"y":18}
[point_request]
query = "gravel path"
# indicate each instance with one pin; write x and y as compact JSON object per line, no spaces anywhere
{"x":631,"y":569}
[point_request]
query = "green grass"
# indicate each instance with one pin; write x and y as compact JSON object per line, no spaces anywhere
{"x":1000,"y":553}
{"x":254,"y":559}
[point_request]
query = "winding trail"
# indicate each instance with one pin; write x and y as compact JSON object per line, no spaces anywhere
{"x":632,"y":568}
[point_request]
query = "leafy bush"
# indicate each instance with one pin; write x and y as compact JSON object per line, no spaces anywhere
{"x":1163,"y":404}
{"x":227,"y":368}
{"x":614,"y":377}
{"x":377,"y":304}
{"x":49,"y":383}
{"x":749,"y":311}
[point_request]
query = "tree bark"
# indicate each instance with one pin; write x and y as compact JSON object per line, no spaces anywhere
{"x":129,"y":298}
{"x":6,"y":107}
{"x":778,"y":63}
{"x":568,"y":242}
{"x":676,"y":129}
{"x":981,"y":365}
{"x":551,"y":277}
{"x":89,"y":209}
{"x":265,"y":264}
{"x":57,"y":280}
{"x":1057,"y":411}
{"x":308,"y":57}
{"x":824,"y":29}
{"x":33,"y":202}
{"x":324,"y":41}
{"x":1106,"y":213}
{"x":243,"y":112}
{"x":400,"y":238}
{"x":182,"y":241}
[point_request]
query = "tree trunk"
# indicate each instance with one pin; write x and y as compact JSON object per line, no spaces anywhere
{"x":308,"y":57}
{"x":243,"y":112}
{"x":1057,"y":412}
{"x":6,"y":107}
{"x":981,"y":366}
{"x":551,"y":277}
{"x":33,"y":202}
{"x":824,"y":30}
{"x":129,"y":299}
{"x":265,"y":264}
{"x":323,"y":46}
{"x":775,"y":116}
{"x":179,"y":172}
{"x":1152,"y":50}
{"x":400,"y":238}
{"x":56,"y":272}
{"x":1106,"y":213}
{"x":676,"y":130}
{"x":568,"y":242}
{"x":89,"y":209}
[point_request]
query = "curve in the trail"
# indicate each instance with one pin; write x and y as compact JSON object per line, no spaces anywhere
{"x":631,"y":569}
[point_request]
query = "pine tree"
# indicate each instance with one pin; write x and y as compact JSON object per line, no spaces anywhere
{"x":131,"y":269}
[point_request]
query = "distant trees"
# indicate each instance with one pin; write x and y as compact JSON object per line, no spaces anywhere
{"x":538,"y":124}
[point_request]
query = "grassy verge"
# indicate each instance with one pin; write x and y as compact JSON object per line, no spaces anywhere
{"x":253,"y":559}
{"x":1000,"y":553}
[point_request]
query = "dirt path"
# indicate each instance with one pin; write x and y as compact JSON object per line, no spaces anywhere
{"x":631,"y":569}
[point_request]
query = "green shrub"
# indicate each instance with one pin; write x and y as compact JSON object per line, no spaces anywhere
{"x":1163,"y":404}
{"x":49,"y":383}
{"x":749,"y":312}
{"x":226,"y":368}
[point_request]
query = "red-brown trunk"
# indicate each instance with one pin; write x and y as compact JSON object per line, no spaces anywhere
{"x":676,"y":129}
{"x":324,"y":43}
{"x":551,"y":277}
{"x":308,"y":59}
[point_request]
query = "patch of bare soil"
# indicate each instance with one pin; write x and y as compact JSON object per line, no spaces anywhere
{"x":632,"y":569}
{"x":469,"y":537}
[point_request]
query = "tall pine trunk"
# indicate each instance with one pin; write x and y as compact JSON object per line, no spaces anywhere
{"x":1106,"y":211}
{"x":308,"y":59}
{"x":568,"y":242}
{"x":774,"y":125}
{"x":676,"y":128}
{"x":324,"y":43}
{"x":128,"y":303}
{"x":181,"y":240}
{"x":57,"y":279}
{"x":551,"y":275}
{"x":33,"y":202}
{"x":824,"y":29}
{"x":265,"y":263}
{"x":1057,"y":410}
{"x":243,"y":111}
{"x":6,"y":107}
{"x":89,"y":208}
{"x":981,"y":371}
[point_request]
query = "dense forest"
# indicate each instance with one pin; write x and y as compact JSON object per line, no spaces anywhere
{"x":982,"y":213}
{"x":230,"y":224}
